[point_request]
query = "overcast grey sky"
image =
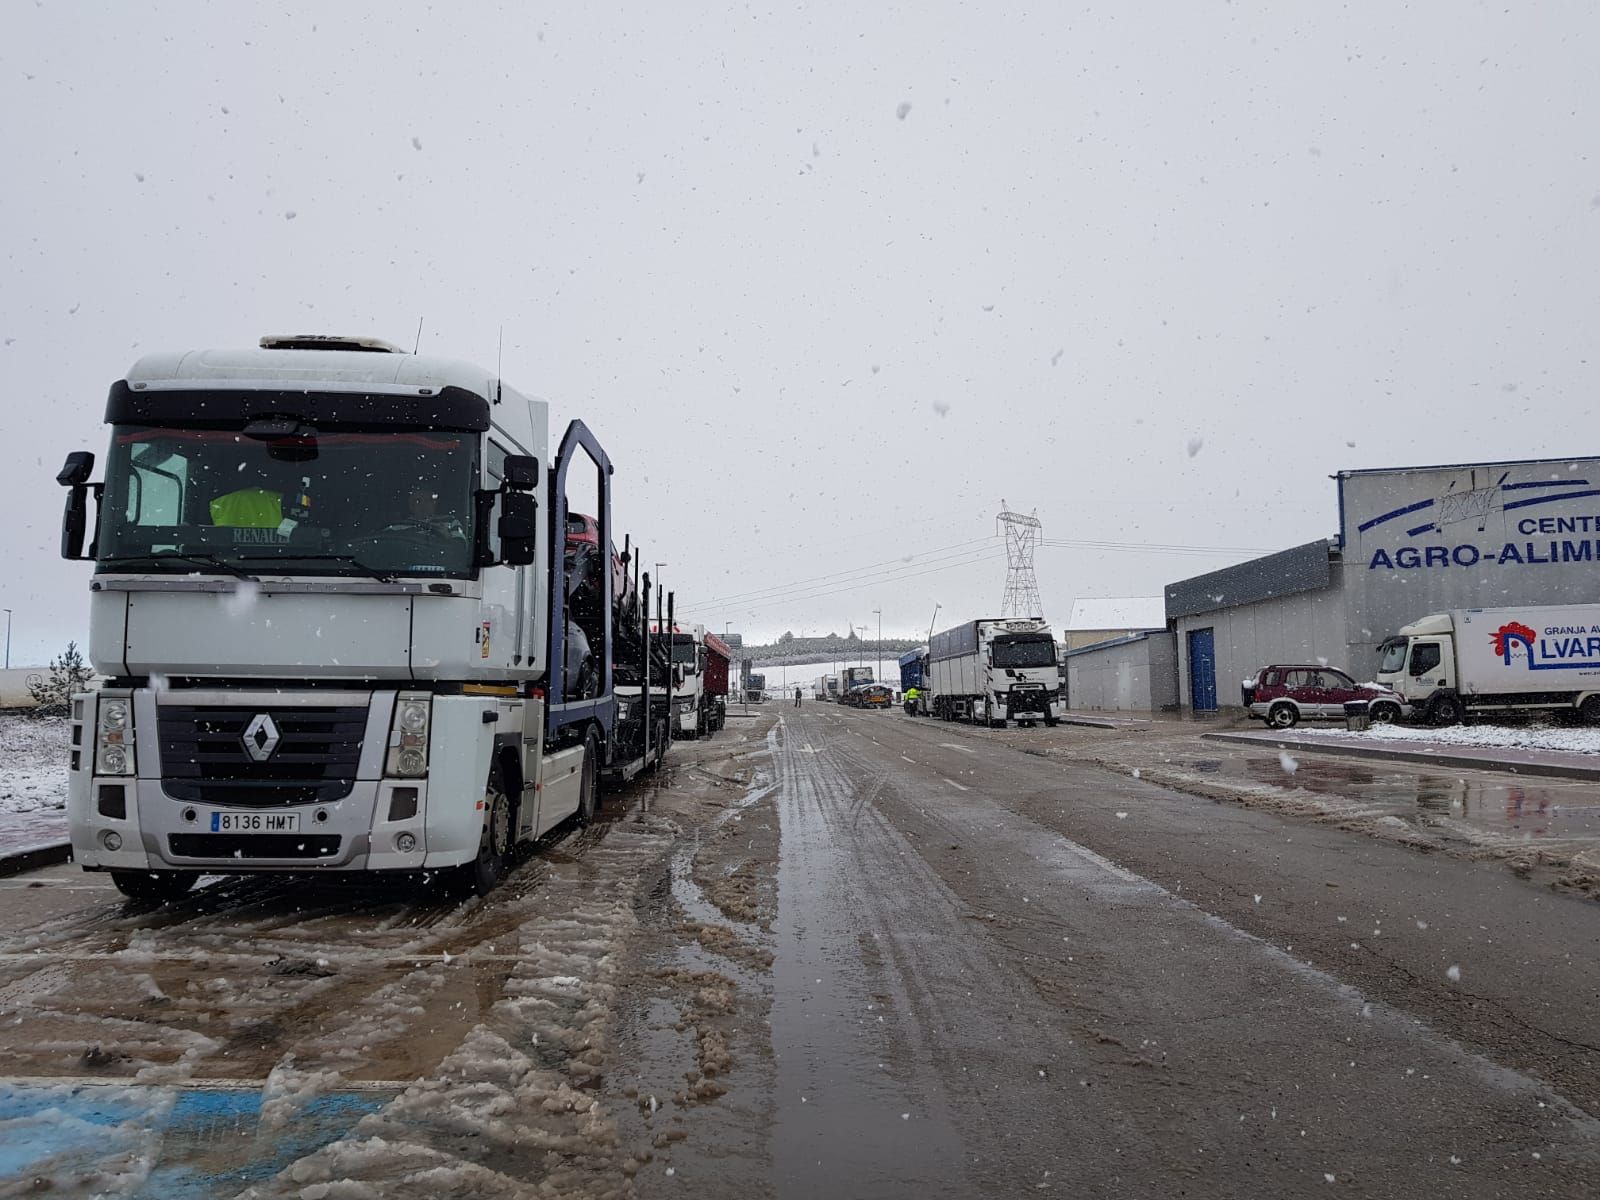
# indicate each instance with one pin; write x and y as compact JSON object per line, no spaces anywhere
{"x":830,"y":280}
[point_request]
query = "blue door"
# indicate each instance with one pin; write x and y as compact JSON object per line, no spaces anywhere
{"x":1203,"y":670}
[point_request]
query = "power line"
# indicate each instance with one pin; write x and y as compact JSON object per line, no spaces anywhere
{"x":1151,"y":547}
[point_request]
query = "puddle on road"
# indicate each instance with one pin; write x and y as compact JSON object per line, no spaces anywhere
{"x":1545,"y":809}
{"x":184,"y":1142}
{"x":845,"y":1124}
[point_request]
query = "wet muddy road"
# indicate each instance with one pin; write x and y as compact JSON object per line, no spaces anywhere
{"x":998,"y":974}
{"x":829,"y":953}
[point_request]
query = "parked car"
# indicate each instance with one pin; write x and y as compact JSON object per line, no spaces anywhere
{"x":1288,"y":693}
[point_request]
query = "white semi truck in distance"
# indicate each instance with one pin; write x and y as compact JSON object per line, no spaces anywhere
{"x":345,"y":621}
{"x":1449,"y":665}
{"x":994,"y":670}
{"x":700,"y":697}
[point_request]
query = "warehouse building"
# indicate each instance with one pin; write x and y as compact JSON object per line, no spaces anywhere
{"x":1412,"y":541}
{"x":1117,"y":654}
{"x":1135,"y":673}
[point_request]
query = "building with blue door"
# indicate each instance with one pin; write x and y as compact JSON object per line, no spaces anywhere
{"x":1412,"y":541}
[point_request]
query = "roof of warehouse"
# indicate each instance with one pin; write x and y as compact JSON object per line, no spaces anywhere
{"x":1117,"y":612}
{"x":1299,"y":569}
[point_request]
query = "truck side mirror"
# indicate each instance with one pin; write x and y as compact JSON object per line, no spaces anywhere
{"x":518,"y":528}
{"x":80,"y":465}
{"x":520,"y":472}
{"x":74,"y":476}
{"x":74,"y":522}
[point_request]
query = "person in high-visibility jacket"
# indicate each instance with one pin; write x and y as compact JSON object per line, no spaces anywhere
{"x":248,"y":508}
{"x":913,"y":694}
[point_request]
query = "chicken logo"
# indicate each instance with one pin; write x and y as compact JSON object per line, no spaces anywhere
{"x":1509,"y":634}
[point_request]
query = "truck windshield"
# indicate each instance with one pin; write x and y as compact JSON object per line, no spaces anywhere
{"x":683,"y":649}
{"x":1025,"y":652}
{"x":1393,"y":656}
{"x":316,"y":503}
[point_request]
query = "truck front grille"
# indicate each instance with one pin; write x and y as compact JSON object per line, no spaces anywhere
{"x":204,"y":758}
{"x":251,"y":845}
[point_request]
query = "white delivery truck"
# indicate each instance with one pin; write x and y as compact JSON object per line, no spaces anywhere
{"x":994,"y":670}
{"x":1448,"y":665}
{"x":344,"y":621}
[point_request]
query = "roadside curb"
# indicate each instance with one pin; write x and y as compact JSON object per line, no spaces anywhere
{"x":1445,"y":758}
{"x":17,"y":861}
{"x":1105,"y":723}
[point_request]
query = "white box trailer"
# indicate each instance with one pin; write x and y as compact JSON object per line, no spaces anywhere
{"x":995,"y":669}
{"x":1448,"y":665}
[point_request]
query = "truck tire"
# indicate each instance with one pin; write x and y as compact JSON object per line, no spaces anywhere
{"x":1384,"y":713}
{"x":1589,"y":710}
{"x":483,"y":874}
{"x":1282,"y":716}
{"x":589,"y":788}
{"x":154,"y":885}
{"x":1446,"y":710}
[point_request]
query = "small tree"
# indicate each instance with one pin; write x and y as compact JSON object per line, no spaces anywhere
{"x":68,"y":675}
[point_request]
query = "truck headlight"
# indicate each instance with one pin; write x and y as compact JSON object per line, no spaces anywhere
{"x":408,"y":737}
{"x":113,"y":738}
{"x":413,"y":717}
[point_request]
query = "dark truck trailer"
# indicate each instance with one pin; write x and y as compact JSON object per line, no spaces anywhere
{"x":914,"y":674}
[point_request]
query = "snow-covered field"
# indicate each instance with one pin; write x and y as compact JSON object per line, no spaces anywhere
{"x":33,"y":763}
{"x":1491,"y":737}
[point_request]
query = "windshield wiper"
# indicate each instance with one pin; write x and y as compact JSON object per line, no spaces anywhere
{"x":203,"y":560}
{"x":370,"y":572}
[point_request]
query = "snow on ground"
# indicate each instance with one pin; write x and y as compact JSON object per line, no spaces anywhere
{"x":33,"y":762}
{"x":1492,"y":737}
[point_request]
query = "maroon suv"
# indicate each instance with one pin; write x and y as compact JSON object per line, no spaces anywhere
{"x":1290,"y":692}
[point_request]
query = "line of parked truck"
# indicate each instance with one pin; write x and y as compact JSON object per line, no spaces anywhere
{"x":991,"y":670}
{"x":345,"y":620}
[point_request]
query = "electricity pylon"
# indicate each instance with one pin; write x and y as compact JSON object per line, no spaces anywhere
{"x":1022,"y":588}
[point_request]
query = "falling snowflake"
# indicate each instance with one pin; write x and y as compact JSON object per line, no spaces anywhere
{"x":903,"y":109}
{"x":1195,"y":445}
{"x":1453,"y":974}
{"x":1288,"y":762}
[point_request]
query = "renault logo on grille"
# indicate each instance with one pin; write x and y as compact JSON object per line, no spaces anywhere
{"x":261,"y":737}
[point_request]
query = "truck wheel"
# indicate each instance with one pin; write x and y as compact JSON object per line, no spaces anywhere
{"x":1282,"y":716}
{"x":1051,"y":722}
{"x":589,"y":789}
{"x":154,"y":885}
{"x":1446,"y":711}
{"x":1589,"y":710}
{"x":483,"y":874}
{"x":1384,"y":714}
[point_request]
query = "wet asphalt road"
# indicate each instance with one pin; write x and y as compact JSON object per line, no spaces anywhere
{"x":997,"y":974}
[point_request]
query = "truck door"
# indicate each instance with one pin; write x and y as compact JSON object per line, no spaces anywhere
{"x":1428,"y":669}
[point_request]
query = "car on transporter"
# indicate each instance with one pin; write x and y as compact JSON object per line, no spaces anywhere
{"x":1285,"y":694}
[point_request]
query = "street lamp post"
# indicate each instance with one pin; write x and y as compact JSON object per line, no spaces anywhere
{"x":8,"y":639}
{"x":878,"y":675}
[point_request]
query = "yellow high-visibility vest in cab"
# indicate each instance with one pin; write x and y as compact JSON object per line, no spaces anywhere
{"x":248,"y":508}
